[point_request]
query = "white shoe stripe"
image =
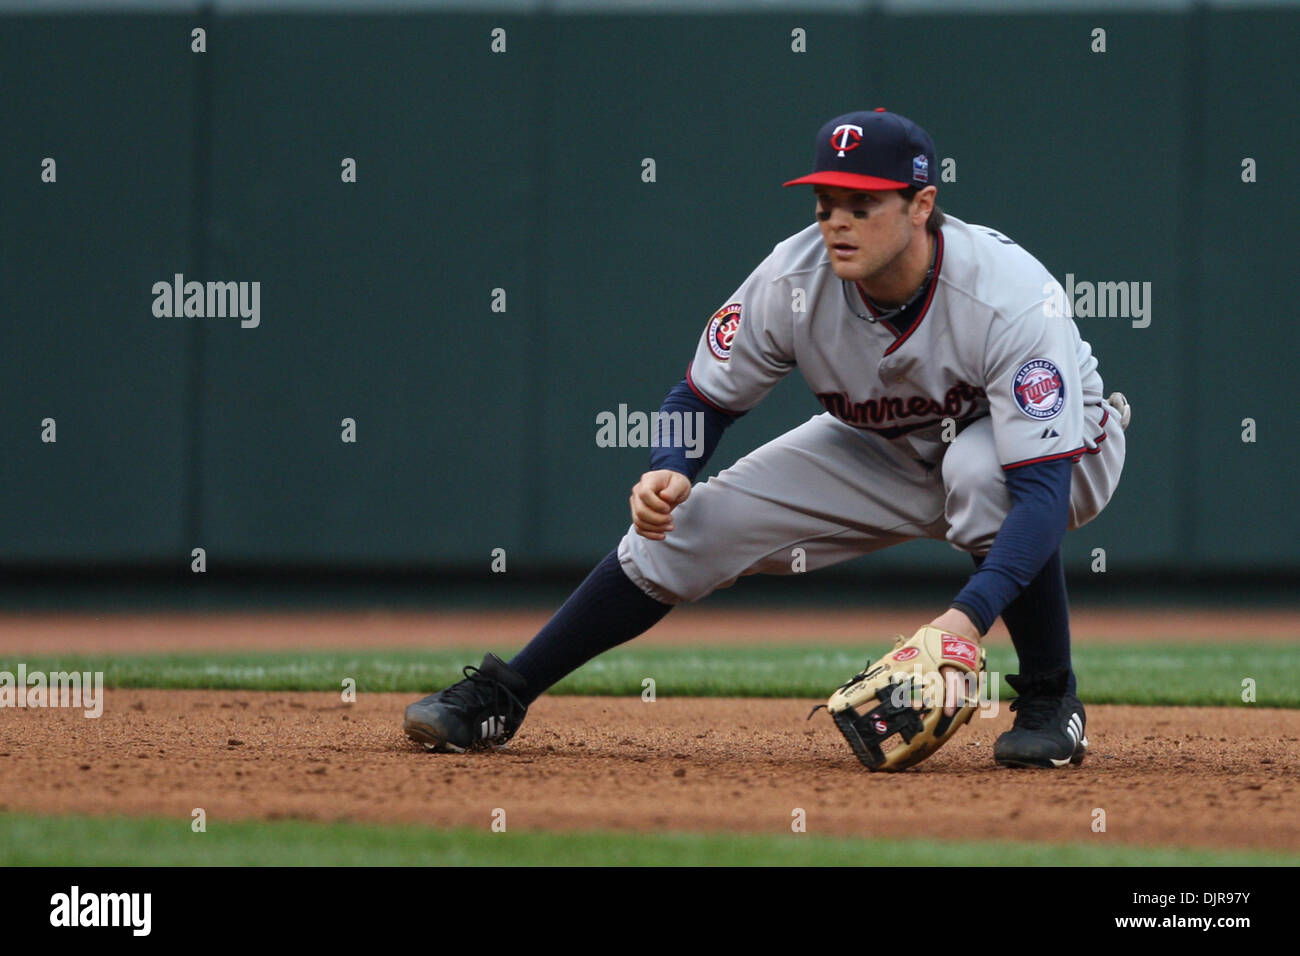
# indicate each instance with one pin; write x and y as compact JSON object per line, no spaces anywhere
{"x":1075,"y":729}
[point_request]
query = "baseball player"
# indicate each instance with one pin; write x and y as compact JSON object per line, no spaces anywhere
{"x":959,"y":405}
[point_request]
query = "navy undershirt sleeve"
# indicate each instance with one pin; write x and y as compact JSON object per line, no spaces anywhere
{"x":674,"y":443}
{"x":1030,"y":535}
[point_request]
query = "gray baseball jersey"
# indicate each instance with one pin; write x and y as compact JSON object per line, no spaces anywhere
{"x":986,"y":342}
{"x":920,"y":423}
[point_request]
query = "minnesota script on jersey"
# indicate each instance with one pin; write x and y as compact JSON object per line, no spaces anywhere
{"x":987,"y":339}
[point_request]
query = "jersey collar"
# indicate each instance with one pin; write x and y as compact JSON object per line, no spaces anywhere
{"x":914,"y":310}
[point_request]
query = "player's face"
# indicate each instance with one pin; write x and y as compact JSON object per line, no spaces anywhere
{"x":865,"y":232}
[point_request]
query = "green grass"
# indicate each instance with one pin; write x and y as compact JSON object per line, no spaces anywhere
{"x":1110,"y":674}
{"x":27,"y":840}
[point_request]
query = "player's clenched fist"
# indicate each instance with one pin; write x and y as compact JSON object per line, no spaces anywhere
{"x":653,"y":499}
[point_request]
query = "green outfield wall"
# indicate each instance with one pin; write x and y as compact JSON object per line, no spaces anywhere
{"x":499,"y":273}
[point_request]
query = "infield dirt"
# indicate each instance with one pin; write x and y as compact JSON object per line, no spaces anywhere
{"x":1222,"y":778}
{"x":1213,"y":777}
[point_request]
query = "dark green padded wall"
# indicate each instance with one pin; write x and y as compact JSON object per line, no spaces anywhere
{"x":377,"y":294}
{"x":521,"y":171}
{"x":110,"y":99}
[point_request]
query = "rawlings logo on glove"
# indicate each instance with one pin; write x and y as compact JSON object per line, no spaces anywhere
{"x":876,"y":710}
{"x":959,"y":649}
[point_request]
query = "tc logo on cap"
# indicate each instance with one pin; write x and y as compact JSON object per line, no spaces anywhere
{"x":846,"y":137}
{"x":871,"y":150}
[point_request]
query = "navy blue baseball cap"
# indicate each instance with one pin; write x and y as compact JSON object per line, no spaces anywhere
{"x":872,"y":149}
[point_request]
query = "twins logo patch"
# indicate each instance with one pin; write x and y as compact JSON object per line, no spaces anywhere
{"x":722,"y":330}
{"x":1039,"y":389}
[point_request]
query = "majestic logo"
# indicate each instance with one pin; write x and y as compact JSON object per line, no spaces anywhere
{"x":906,"y":654}
{"x":722,"y":330}
{"x":921,"y":169}
{"x":846,"y":137}
{"x":960,"y":649}
{"x":1039,"y":389}
{"x":959,"y":402}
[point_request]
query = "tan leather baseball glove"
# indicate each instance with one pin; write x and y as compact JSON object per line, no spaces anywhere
{"x":892,"y":713}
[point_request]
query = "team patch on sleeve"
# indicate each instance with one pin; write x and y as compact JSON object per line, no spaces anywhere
{"x":1039,"y":389}
{"x":722,"y":330}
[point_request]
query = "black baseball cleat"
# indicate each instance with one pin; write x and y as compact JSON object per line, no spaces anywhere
{"x":1049,"y":726}
{"x":481,"y":711}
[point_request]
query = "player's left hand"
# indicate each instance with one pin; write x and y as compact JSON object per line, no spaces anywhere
{"x":878,"y":710}
{"x":954,"y":688}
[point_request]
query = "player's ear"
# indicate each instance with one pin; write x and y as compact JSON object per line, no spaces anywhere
{"x":922,"y":204}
